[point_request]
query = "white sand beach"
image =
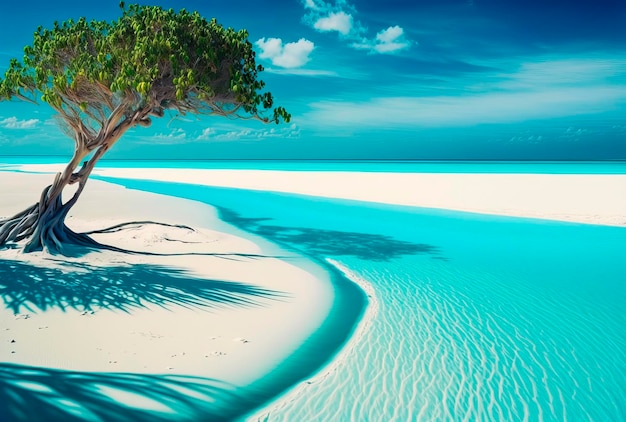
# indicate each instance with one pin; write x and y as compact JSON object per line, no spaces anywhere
{"x":219,"y":307}
{"x":588,"y":198}
{"x":593,"y":199}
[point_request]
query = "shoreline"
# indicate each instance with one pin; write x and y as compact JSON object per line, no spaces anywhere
{"x":578,"y":198}
{"x":587,"y":199}
{"x":363,"y":325}
{"x":246,"y":349}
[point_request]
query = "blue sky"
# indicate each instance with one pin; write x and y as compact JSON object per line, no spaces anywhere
{"x":421,"y":79}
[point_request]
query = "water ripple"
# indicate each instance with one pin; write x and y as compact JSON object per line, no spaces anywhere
{"x":482,"y":348}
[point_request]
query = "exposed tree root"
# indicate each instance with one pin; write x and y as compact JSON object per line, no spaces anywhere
{"x":20,"y":226}
{"x":44,"y":224}
{"x":47,"y":230}
{"x":122,"y":226}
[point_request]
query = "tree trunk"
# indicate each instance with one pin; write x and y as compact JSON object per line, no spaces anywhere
{"x":51,"y":233}
{"x":44,"y":222}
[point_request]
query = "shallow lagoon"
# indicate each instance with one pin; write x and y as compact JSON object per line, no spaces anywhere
{"x":478,"y":317}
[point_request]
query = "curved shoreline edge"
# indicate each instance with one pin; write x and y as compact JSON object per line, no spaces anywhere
{"x":321,"y":343}
{"x":322,"y":352}
{"x":362,"y":326}
{"x":318,"y":350}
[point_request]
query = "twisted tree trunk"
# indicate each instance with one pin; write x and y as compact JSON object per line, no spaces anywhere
{"x":44,"y":222}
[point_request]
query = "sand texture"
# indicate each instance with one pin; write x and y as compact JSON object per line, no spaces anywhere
{"x":195,"y":302}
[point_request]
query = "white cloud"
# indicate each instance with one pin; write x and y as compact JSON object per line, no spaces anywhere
{"x":206,"y":134}
{"x":247,"y":134}
{"x":526,"y":139}
{"x":15,"y":123}
{"x":340,"y":22}
{"x":174,"y":137}
{"x":290,"y":55}
{"x":270,"y":48}
{"x":445,"y":111}
{"x":233,"y":135}
{"x":387,"y":41}
{"x":339,"y":16}
{"x":303,"y":72}
{"x":390,"y":40}
{"x":389,"y":35}
{"x":332,"y":16}
{"x":564,"y":72}
{"x":540,"y":88}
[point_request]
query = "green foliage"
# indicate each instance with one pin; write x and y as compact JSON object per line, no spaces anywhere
{"x":154,"y":58}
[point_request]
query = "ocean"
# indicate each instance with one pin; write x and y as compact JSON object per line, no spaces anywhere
{"x":469,"y":317}
{"x":395,"y":166}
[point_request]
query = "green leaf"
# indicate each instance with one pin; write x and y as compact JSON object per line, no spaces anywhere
{"x":183,"y":61}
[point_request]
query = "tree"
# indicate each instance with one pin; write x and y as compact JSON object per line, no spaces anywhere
{"x":104,"y":78}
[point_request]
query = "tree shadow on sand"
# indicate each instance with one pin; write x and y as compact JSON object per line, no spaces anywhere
{"x":88,"y":244}
{"x":40,"y":394}
{"x":71,"y":285}
{"x":332,"y":243}
{"x":139,"y":224}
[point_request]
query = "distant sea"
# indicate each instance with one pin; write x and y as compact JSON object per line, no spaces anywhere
{"x":395,"y":166}
{"x":475,"y":317}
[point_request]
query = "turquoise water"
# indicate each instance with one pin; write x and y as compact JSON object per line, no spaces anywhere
{"x":478,"y":317}
{"x":541,"y":167}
